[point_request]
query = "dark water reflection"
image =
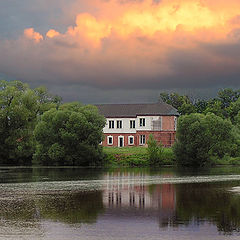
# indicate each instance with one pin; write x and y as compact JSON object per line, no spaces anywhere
{"x":76,"y":203}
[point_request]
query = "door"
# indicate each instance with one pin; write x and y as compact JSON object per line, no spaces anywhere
{"x":120,"y":141}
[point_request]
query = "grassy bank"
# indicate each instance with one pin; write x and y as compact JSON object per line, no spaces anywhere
{"x":226,"y":160}
{"x":139,"y":157}
{"x":134,"y":156}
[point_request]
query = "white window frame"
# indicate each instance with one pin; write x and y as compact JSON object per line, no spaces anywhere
{"x":142,"y":122}
{"x":119,"y":141}
{"x":119,"y":124}
{"x":109,"y":137}
{"x":111,"y":124}
{"x":129,"y":137}
{"x":132,"y":124}
{"x":175,"y":123}
{"x":141,"y":137}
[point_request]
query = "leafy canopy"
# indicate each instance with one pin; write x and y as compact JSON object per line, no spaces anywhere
{"x":69,"y":135}
{"x":20,"y":107}
{"x":200,"y":137}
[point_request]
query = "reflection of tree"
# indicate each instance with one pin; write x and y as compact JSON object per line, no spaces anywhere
{"x":18,"y":209}
{"x":70,"y":208}
{"x":73,"y":208}
{"x":196,"y":202}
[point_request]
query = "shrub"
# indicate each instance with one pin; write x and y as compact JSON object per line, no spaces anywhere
{"x":155,"y":151}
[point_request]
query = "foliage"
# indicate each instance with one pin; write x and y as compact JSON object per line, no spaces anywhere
{"x":200,"y":137}
{"x":155,"y":151}
{"x":228,"y":96}
{"x":19,"y":108}
{"x":214,"y":106}
{"x":234,"y":111}
{"x":181,"y":102}
{"x":127,"y":156}
{"x":225,"y":105}
{"x":69,"y":135}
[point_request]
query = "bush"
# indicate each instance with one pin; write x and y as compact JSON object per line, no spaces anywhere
{"x":157,"y":154}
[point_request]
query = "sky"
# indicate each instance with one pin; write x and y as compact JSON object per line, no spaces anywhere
{"x":119,"y":51}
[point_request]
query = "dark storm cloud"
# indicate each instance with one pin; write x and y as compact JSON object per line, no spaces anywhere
{"x":91,"y":58}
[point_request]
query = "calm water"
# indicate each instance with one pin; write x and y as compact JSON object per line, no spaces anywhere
{"x":76,"y":203}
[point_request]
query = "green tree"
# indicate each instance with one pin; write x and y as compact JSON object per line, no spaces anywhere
{"x":215,"y":106}
{"x":181,"y":102}
{"x":20,"y":107}
{"x":234,"y":110}
{"x":200,"y":137}
{"x":155,"y":151}
{"x":228,"y":96}
{"x":200,"y":106}
{"x":69,"y":135}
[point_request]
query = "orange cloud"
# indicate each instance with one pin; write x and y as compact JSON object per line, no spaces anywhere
{"x":52,"y":33}
{"x":200,"y":20}
{"x":31,"y":34}
{"x":142,"y":43}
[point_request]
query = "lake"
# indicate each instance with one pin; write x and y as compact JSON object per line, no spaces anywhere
{"x":119,"y":204}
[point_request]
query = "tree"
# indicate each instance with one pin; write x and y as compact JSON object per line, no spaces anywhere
{"x":214,"y":106}
{"x":69,"y":135}
{"x":155,"y":151}
{"x":20,"y":107}
{"x":200,"y":106}
{"x":227,"y":96}
{"x":234,"y":110}
{"x":181,"y":102}
{"x":200,"y":137}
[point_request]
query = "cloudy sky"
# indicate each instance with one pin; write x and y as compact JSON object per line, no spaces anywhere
{"x":101,"y":51}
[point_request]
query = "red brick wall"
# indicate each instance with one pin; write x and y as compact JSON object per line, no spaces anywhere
{"x":167,"y":138}
{"x":168,"y":123}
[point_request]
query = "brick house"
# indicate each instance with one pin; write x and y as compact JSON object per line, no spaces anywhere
{"x":131,"y":124}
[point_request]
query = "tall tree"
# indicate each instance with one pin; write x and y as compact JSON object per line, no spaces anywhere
{"x":19,"y":108}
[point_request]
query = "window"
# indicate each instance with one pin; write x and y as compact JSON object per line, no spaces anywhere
{"x":119,"y":124}
{"x":130,"y":140}
{"x":175,"y":123}
{"x":157,"y":124}
{"x":142,"y":139}
{"x":132,"y":123}
{"x":142,"y":122}
{"x":111,"y":124}
{"x":110,"y":140}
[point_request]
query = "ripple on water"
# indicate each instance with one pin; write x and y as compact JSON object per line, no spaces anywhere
{"x":21,"y":190}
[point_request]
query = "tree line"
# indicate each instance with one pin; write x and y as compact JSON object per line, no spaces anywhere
{"x":208,"y":131}
{"x":35,"y":127}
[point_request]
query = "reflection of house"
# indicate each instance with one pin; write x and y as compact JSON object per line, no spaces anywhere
{"x":131,"y":124}
{"x":129,"y":190}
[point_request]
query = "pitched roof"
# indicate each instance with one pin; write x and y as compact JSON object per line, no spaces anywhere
{"x":133,"y":110}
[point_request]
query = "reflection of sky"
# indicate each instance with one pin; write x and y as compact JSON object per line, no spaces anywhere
{"x":113,"y":229}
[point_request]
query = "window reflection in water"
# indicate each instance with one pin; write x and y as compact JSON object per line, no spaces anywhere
{"x":129,"y":190}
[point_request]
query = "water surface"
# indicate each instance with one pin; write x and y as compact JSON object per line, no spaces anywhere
{"x":79,"y":203}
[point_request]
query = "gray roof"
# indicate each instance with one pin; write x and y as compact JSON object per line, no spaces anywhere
{"x":133,"y":110}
